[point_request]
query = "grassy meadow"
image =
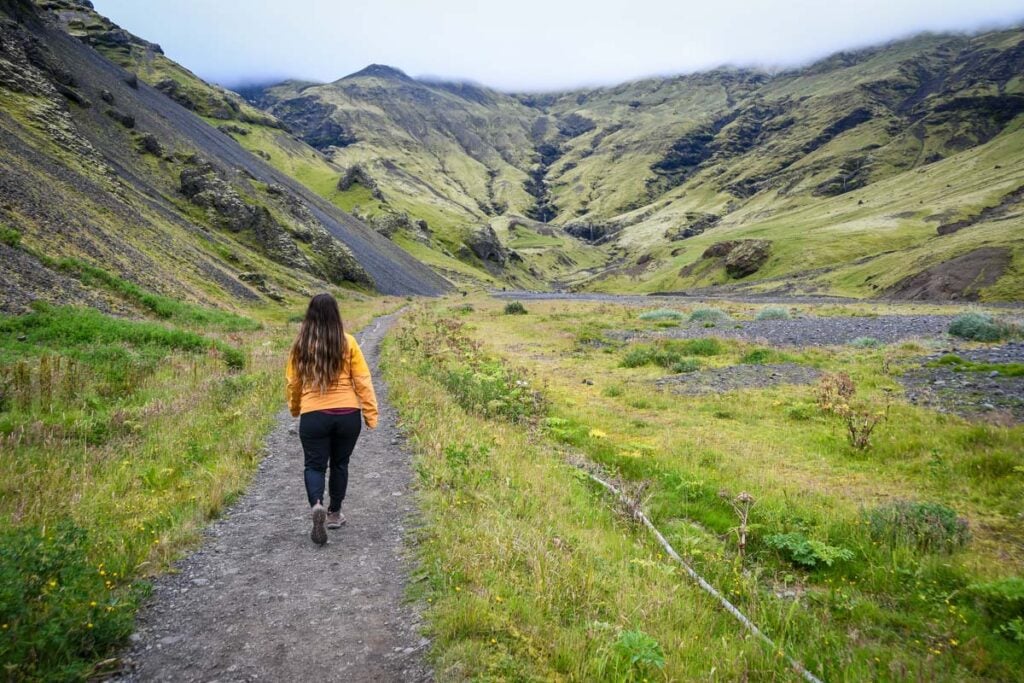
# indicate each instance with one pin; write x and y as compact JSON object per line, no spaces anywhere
{"x":121,"y":437}
{"x":897,"y":560}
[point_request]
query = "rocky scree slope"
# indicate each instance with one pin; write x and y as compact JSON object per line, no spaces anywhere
{"x":841,"y":164}
{"x":97,"y":165}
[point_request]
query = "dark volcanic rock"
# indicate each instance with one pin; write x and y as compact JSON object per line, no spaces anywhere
{"x":488,"y":248}
{"x":747,"y":257}
{"x":148,"y":144}
{"x":357,"y":174}
{"x":696,"y":224}
{"x":742,"y":257}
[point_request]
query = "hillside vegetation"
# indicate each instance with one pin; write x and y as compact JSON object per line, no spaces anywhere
{"x":870,"y":173}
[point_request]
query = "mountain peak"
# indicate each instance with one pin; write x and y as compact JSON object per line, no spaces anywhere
{"x":380,"y":71}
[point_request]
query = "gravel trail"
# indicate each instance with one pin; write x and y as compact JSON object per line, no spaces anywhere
{"x":260,"y":601}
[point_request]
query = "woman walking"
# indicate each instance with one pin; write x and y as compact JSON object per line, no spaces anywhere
{"x":329,"y":385}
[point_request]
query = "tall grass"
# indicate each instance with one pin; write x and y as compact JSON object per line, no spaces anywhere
{"x":808,"y":534}
{"x":119,"y":438}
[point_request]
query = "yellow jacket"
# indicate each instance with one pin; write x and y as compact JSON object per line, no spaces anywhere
{"x":353,"y":388}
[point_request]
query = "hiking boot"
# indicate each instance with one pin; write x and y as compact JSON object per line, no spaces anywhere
{"x":335,"y":519}
{"x":319,"y":533}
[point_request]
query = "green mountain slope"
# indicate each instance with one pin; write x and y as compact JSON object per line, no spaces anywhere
{"x":99,"y":167}
{"x":837,"y":165}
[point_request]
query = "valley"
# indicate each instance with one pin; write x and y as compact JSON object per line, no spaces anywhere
{"x":779,"y":310}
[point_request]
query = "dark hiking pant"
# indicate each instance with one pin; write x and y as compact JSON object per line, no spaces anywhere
{"x":328,"y":440}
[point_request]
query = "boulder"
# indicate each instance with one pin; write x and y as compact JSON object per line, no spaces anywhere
{"x":148,"y":144}
{"x":719,"y":249}
{"x":484,"y":243}
{"x":747,"y":256}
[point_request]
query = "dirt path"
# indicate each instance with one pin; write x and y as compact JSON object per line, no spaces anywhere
{"x":259,"y":601}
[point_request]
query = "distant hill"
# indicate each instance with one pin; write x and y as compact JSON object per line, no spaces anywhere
{"x":895,"y":170}
{"x":114,"y":155}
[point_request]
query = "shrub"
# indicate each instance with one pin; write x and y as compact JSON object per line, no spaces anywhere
{"x":515,"y":308}
{"x":699,"y":347}
{"x":477,"y":381}
{"x":757,"y":356}
{"x":9,"y":236}
{"x":669,"y":353}
{"x":806,"y":552}
{"x":865,"y":343}
{"x":980,"y":327}
{"x":929,"y":526}
{"x":709,"y":315}
{"x":860,"y":422}
{"x":773,"y":313}
{"x":661,"y":314}
{"x":685,"y":365}
{"x":834,"y":389}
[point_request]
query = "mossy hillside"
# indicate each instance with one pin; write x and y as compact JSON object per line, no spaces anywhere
{"x":773,"y":157}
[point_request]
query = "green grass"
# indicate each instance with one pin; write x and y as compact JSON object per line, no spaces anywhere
{"x":960,"y":365}
{"x":910,"y":599}
{"x":149,"y":430}
{"x":163,"y":307}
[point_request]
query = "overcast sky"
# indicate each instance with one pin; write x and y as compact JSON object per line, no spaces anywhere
{"x":527,"y":44}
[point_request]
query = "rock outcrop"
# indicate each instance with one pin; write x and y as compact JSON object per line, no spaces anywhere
{"x":741,"y":257}
{"x":484,"y":243}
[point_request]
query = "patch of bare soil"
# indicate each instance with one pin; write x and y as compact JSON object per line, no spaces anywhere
{"x":960,"y":278}
{"x":260,"y":601}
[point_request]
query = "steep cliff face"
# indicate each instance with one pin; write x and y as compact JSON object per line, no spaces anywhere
{"x":97,"y":164}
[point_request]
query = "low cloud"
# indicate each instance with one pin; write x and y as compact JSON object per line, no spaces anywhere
{"x":533,"y":44}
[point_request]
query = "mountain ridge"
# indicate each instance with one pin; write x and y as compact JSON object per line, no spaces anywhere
{"x":632,"y":166}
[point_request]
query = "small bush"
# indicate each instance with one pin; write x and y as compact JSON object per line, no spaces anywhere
{"x":661,"y":314}
{"x":515,"y":308}
{"x":806,"y":552}
{"x":612,"y":391}
{"x":860,"y":421}
{"x":9,"y":236}
{"x":980,"y":327}
{"x":699,"y":347}
{"x":757,"y":357}
{"x":865,"y":343}
{"x":670,"y":352}
{"x":931,"y":527}
{"x":709,"y":315}
{"x":834,"y":389}
{"x":685,"y":365}
{"x":773,"y":313}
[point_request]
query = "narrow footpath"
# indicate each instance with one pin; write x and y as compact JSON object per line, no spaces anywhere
{"x":260,"y":601}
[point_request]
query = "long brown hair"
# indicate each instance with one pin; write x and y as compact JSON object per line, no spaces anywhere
{"x":320,"y":349}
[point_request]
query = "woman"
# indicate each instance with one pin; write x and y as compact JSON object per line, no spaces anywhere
{"x":329,"y":385}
